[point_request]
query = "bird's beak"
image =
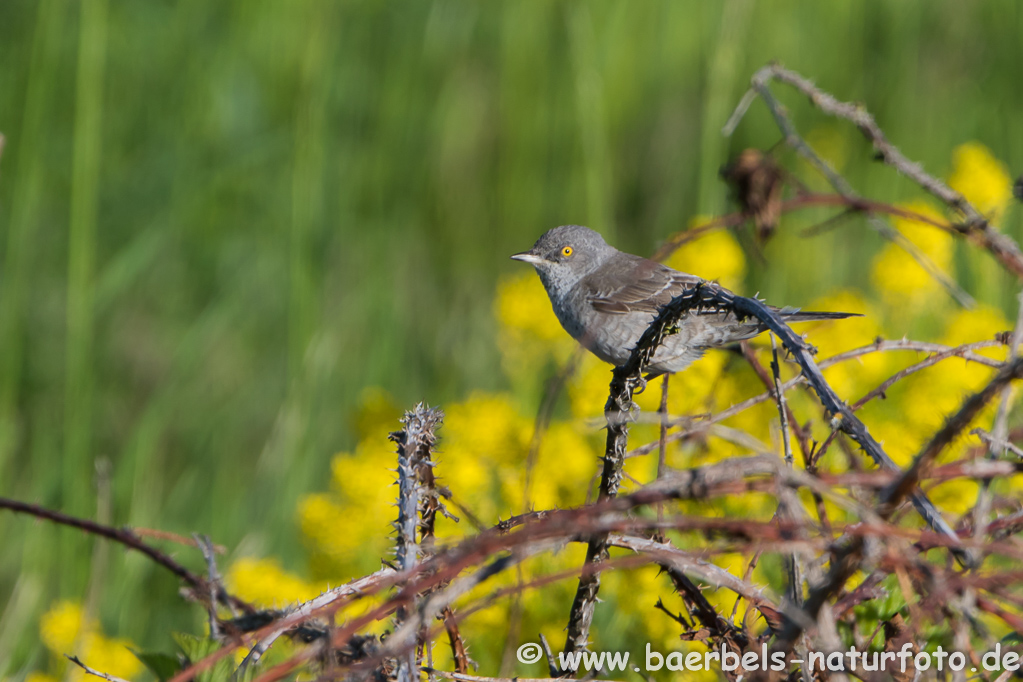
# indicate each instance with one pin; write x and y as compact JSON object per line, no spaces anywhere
{"x":528,"y":257}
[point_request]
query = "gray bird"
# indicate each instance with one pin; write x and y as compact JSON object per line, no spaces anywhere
{"x":605,"y":299}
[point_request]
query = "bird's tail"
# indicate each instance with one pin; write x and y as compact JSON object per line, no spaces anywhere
{"x":793,"y":315}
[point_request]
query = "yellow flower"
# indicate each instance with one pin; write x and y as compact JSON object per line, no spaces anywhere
{"x":64,"y":630}
{"x":112,"y":656}
{"x":540,"y":605}
{"x":917,"y":406}
{"x":335,"y":553}
{"x":488,"y":425}
{"x":736,"y":386}
{"x":902,"y":281}
{"x":636,"y":592}
{"x":266,"y":583}
{"x":722,"y":597}
{"x":690,"y":391}
{"x":927,"y":399}
{"x":482,"y":449}
{"x":60,"y":627}
{"x":981,"y":178}
{"x":716,"y":255}
{"x":898,"y":438}
{"x":40,"y":677}
{"x":347,"y":530}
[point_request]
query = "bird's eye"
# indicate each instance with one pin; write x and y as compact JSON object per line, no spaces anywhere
{"x":567,"y":251}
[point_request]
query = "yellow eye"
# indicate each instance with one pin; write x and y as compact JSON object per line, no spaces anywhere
{"x":567,"y":251}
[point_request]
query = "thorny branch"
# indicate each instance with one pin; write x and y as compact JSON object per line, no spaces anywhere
{"x":624,"y":381}
{"x":417,"y":499}
{"x":953,"y":426}
{"x":839,"y":183}
{"x":702,"y":483}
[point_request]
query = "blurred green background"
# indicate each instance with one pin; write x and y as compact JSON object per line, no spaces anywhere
{"x":220,"y":221}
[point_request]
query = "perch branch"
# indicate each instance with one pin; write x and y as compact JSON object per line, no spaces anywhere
{"x":625,"y":378}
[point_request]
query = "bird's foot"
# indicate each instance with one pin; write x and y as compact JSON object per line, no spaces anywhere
{"x":625,"y":415}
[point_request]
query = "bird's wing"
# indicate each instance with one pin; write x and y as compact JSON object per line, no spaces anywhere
{"x":635,"y":284}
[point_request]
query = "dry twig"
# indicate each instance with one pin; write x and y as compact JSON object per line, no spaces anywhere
{"x":199,"y":586}
{"x":91,"y":671}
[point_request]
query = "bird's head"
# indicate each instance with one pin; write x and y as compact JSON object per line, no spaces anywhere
{"x":566,"y":254}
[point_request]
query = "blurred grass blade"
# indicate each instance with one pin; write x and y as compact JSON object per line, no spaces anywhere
{"x":26,"y":197}
{"x":77,"y":472}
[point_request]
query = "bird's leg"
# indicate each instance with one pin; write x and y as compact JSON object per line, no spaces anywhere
{"x":638,"y":386}
{"x":662,"y":413}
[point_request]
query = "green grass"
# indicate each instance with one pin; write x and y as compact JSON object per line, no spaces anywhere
{"x":220,"y":221}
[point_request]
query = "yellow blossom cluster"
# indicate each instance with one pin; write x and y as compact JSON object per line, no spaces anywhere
{"x":65,"y":629}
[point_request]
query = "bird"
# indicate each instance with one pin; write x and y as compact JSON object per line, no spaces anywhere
{"x":606,"y":298}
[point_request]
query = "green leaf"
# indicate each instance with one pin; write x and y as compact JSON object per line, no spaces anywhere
{"x":198,"y":648}
{"x":1012,"y":639}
